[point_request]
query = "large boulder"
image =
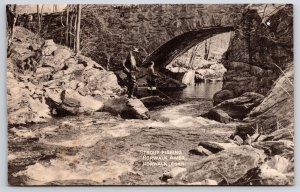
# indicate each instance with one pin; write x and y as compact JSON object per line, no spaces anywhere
{"x":101,"y":79}
{"x":53,"y":97}
{"x":222,"y":96}
{"x":48,"y":47}
{"x":154,"y":101}
{"x":218,"y":115}
{"x":58,"y":62}
{"x":127,"y":108}
{"x":276,"y":171}
{"x":22,"y":108}
{"x":62,"y":53}
{"x":226,"y":167}
{"x":244,"y":130}
{"x":285,"y":148}
{"x":44,"y":73}
{"x":236,"y":108}
{"x":273,"y":119}
{"x":70,"y":102}
{"x":72,"y":99}
{"x":100,"y":84}
{"x":276,"y":110}
{"x":281,"y":134}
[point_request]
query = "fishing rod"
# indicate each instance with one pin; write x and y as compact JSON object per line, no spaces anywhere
{"x":174,"y":101}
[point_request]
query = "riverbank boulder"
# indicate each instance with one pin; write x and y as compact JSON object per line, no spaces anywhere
{"x":22,"y":106}
{"x":276,"y":110}
{"x":236,"y":108}
{"x":218,"y":115}
{"x":281,"y":134}
{"x":274,"y":117}
{"x":276,"y":171}
{"x":75,"y":103}
{"x":283,"y":148}
{"x":222,"y":96}
{"x":70,"y":102}
{"x":154,"y":101}
{"x":225,"y":167}
{"x":127,"y":108}
{"x":48,"y":47}
{"x":272,"y":122}
{"x":244,"y":130}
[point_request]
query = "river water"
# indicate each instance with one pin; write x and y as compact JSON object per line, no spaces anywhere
{"x":202,"y":90}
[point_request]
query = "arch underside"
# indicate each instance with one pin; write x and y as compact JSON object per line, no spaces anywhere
{"x":180,"y":44}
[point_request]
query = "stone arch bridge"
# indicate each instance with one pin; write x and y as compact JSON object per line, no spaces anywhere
{"x":162,"y":32}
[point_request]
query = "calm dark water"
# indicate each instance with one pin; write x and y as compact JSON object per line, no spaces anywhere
{"x":205,"y":90}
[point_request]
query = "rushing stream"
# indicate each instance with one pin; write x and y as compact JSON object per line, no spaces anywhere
{"x":102,"y":149}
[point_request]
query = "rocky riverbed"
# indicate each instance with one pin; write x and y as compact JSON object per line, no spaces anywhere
{"x":103,"y":149}
{"x":175,"y":146}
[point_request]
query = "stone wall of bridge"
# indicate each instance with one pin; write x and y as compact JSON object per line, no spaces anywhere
{"x":110,"y":31}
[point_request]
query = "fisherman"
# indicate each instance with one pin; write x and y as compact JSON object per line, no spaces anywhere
{"x":151,"y":79}
{"x":130,"y":68}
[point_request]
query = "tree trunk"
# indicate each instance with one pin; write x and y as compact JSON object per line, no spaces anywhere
{"x":39,"y":20}
{"x":75,"y":32}
{"x":78,"y":29}
{"x":108,"y":61}
{"x":71,"y":36}
{"x":67,"y":28}
{"x":206,"y":51}
{"x":39,"y":14}
{"x":193,"y":55}
{"x":11,"y":14}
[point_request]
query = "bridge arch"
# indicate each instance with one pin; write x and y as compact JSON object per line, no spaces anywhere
{"x":175,"y":47}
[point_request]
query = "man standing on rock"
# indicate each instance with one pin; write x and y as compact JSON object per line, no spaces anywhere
{"x":130,"y":69}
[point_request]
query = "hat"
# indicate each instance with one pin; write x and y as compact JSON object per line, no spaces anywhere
{"x":136,"y":49}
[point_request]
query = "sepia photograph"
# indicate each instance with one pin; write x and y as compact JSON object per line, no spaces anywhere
{"x":150,"y":94}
